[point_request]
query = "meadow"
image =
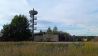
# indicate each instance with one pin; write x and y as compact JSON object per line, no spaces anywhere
{"x":48,"y":49}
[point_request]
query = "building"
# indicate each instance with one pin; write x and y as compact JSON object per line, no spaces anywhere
{"x":46,"y":37}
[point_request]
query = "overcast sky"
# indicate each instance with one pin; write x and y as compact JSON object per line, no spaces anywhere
{"x":77,"y":17}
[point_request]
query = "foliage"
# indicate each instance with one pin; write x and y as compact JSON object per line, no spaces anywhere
{"x":49,"y":30}
{"x":55,"y":30}
{"x":6,"y":32}
{"x":41,"y":32}
{"x":18,"y":29}
{"x":64,"y":36}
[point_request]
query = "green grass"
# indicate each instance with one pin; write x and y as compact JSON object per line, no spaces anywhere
{"x":48,"y":49}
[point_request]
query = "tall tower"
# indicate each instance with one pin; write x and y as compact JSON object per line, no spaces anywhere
{"x":32,"y":15}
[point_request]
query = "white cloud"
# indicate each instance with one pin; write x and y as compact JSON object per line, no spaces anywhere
{"x":9,"y":8}
{"x":67,"y":12}
{"x":74,"y":12}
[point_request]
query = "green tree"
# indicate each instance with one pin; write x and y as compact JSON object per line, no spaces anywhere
{"x":68,"y":37}
{"x":6,"y":32}
{"x":64,"y":36}
{"x":41,"y":32}
{"x":18,"y":29}
{"x":55,"y":30}
{"x":49,"y":31}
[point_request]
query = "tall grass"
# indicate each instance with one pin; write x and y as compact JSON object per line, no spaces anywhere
{"x":46,"y":49}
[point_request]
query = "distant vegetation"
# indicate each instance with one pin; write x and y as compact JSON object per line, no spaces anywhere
{"x":18,"y":30}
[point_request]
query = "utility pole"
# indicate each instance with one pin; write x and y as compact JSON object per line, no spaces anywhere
{"x":32,"y":15}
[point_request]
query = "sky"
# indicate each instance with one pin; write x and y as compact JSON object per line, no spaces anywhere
{"x":77,"y":17}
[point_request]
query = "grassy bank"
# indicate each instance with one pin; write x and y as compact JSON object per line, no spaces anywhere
{"x":48,"y":49}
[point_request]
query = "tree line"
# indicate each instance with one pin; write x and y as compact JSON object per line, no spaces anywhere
{"x":19,"y":30}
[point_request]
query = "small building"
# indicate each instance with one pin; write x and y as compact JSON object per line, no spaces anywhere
{"x":46,"y":37}
{"x":85,"y":39}
{"x":50,"y":37}
{"x":38,"y":38}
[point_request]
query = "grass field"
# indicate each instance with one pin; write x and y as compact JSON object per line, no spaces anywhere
{"x":48,"y":49}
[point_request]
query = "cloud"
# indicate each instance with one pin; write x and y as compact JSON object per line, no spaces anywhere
{"x":77,"y":12}
{"x":77,"y":17}
{"x":9,"y":8}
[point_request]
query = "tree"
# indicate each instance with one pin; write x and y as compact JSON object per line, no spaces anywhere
{"x":49,"y":31}
{"x":61,"y":36}
{"x":18,"y":29}
{"x":41,"y":32}
{"x":55,"y":30}
{"x":6,"y":32}
{"x":68,"y":37}
{"x":64,"y":36}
